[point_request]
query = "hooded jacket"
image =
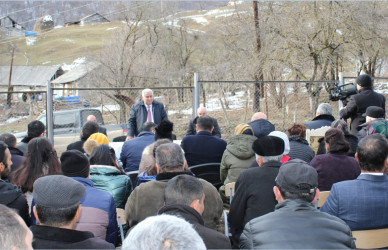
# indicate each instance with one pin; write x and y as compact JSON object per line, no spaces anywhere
{"x":238,"y":156}
{"x":12,"y":197}
{"x":211,"y":238}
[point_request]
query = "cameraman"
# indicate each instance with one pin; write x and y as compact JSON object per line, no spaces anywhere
{"x":360,"y":102}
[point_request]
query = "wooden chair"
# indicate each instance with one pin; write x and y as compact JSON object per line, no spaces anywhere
{"x":321,"y":199}
{"x":313,"y":135}
{"x":229,"y":190}
{"x":371,"y":239}
{"x":209,"y":172}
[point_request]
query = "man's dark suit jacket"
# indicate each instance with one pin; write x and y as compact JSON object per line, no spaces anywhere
{"x":203,"y":148}
{"x":192,"y":128}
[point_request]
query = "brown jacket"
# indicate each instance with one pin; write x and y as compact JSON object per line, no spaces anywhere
{"x":146,"y":199}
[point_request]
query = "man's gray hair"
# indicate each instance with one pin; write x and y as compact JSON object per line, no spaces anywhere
{"x":163,"y":232}
{"x":13,"y":233}
{"x":271,"y":158}
{"x":169,"y":157}
{"x":325,"y":109}
{"x":146,"y":91}
{"x":183,"y":189}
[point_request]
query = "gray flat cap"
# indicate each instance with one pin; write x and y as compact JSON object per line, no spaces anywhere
{"x":57,"y":191}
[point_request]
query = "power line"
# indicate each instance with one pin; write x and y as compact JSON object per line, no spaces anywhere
{"x":10,"y":13}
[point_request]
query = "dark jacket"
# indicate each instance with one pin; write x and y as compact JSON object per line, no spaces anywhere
{"x":138,"y":116}
{"x":192,"y":129}
{"x":12,"y":197}
{"x":102,"y":130}
{"x":132,"y":150}
{"x":320,"y":121}
{"x":253,"y":197}
{"x":296,"y":224}
{"x":111,"y":180}
{"x":357,"y":107}
{"x":17,"y":158}
{"x":333,"y":168}
{"x":353,"y":141}
{"x":146,"y":199}
{"x":203,"y":148}
{"x":211,"y":238}
{"x":98,"y":213}
{"x":261,"y":127}
{"x":23,"y":144}
{"x":77,"y":145}
{"x":300,"y":149}
{"x":58,"y":238}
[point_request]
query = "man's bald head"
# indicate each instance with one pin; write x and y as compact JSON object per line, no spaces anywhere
{"x":201,"y":111}
{"x":258,"y":115}
{"x":91,"y":118}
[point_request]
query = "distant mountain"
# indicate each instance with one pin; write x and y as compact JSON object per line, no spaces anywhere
{"x":27,"y":12}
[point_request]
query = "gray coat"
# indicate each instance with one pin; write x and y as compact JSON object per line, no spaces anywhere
{"x":296,"y":224}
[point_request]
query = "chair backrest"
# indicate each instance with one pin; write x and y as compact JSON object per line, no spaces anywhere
{"x":371,"y":239}
{"x":209,"y":172}
{"x":313,"y":135}
{"x":322,"y":198}
{"x":133,"y":176}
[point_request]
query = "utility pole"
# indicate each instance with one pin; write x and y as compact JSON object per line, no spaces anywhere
{"x":9,"y":95}
{"x":259,"y":87}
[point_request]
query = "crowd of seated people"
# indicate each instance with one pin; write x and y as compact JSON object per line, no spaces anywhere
{"x":74,"y":201}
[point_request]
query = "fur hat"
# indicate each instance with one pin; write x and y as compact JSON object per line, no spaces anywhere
{"x":100,"y":138}
{"x":164,"y":130}
{"x":268,"y":146}
{"x":75,"y":164}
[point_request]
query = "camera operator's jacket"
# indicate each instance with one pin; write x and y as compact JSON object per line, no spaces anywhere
{"x":358,"y":105}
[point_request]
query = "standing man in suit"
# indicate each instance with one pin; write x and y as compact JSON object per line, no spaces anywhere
{"x":101,"y":129}
{"x":146,"y":110}
{"x":192,"y":130}
{"x":360,"y":102}
{"x":361,"y":203}
{"x":203,"y":147}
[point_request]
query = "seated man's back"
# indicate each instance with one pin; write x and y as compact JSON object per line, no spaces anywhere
{"x":203,"y":147}
{"x":361,"y":203}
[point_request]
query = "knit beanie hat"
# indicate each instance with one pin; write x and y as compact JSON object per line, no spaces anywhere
{"x":89,"y":145}
{"x":164,"y":130}
{"x":364,"y":80}
{"x":75,"y":164}
{"x":241,"y":128}
{"x":100,"y":138}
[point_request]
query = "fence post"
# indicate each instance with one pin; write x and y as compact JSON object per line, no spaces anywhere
{"x":49,"y":113}
{"x":197,"y":93}
{"x":341,"y":82}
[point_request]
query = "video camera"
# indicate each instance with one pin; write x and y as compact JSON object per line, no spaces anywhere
{"x":342,"y":92}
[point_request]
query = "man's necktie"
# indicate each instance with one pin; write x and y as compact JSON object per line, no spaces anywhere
{"x":149,"y":117}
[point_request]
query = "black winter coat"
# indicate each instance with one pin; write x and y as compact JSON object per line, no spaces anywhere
{"x":353,"y":141}
{"x":192,"y":127}
{"x":296,"y":224}
{"x":320,"y":121}
{"x":211,"y":238}
{"x":12,"y":197}
{"x":358,"y":105}
{"x":59,"y":238}
{"x":253,"y":197}
{"x":300,"y":149}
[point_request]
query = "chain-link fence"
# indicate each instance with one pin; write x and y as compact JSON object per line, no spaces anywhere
{"x":231,"y":103}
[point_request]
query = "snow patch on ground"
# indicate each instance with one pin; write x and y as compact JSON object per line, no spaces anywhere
{"x":113,"y":28}
{"x":76,"y":62}
{"x":13,"y":119}
{"x":69,"y":40}
{"x":30,"y":40}
{"x":46,"y":62}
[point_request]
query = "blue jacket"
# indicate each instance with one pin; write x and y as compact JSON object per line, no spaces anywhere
{"x":132,"y":150}
{"x":320,"y":121}
{"x":98,"y":213}
{"x":203,"y":148}
{"x":138,"y":116}
{"x":361,"y":203}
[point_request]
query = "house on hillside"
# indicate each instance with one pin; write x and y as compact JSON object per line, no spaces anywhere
{"x":73,"y":77}
{"x":93,"y":18}
{"x":9,"y":27}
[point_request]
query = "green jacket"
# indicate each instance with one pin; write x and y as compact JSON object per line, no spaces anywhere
{"x":110,"y":179}
{"x":237,"y":157}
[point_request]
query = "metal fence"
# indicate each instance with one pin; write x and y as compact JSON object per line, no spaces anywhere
{"x":231,"y":102}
